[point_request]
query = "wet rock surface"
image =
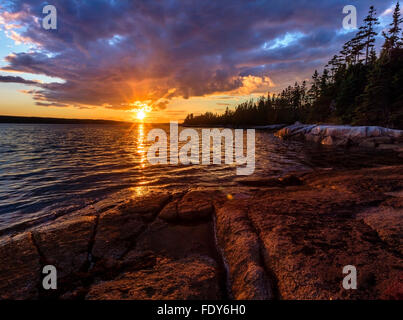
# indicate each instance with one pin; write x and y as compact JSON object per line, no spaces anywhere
{"x":281,"y":238}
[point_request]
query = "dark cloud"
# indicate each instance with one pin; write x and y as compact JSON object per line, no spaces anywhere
{"x":51,"y":104}
{"x":12,"y":79}
{"x":112,"y":53}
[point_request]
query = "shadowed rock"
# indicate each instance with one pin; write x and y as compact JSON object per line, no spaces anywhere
{"x":388,"y":223}
{"x":115,"y":233}
{"x":19,"y":267}
{"x":177,"y":241}
{"x":190,"y":278}
{"x":288,"y":180}
{"x":65,"y":243}
{"x":118,"y":227}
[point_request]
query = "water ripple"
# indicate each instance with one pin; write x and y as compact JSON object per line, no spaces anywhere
{"x":44,"y":168}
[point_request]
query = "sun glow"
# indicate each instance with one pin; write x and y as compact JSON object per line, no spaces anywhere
{"x":141,"y":114}
{"x":140,"y":110}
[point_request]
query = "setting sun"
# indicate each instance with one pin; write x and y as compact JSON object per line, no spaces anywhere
{"x":141,"y":110}
{"x":141,"y":114}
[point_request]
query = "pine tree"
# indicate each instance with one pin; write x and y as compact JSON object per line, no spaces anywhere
{"x":375,"y":101}
{"x":372,"y":56}
{"x":315,"y":88}
{"x":346,"y":53}
{"x":357,"y":46}
{"x":324,"y":82}
{"x":303,"y":94}
{"x":392,"y":38}
{"x":334,"y":65}
{"x":367,"y":33}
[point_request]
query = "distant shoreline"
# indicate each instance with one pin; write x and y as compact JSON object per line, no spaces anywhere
{"x":41,"y":120}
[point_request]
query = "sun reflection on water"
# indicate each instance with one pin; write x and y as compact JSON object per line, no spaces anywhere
{"x":141,"y":148}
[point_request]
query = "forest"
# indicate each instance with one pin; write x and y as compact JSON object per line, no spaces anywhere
{"x":358,"y":86}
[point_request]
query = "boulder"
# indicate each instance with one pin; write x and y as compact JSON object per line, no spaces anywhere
{"x":381,"y":140}
{"x":313,"y":138}
{"x":356,"y":134}
{"x":147,"y":206}
{"x":170,"y":212}
{"x":303,"y":129}
{"x":399,"y":147}
{"x":387,"y":147}
{"x":342,"y":135}
{"x":393,"y":133}
{"x":338,"y":131}
{"x":332,"y":141}
{"x":374,"y":131}
{"x":328,"y":141}
{"x":318,"y":130}
{"x":295,"y":130}
{"x":195,"y":206}
{"x":367,"y":144}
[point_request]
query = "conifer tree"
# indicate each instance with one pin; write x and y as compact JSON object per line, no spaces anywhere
{"x":367,"y":32}
{"x":393,"y":36}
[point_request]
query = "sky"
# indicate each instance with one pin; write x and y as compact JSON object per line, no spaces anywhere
{"x":108,"y":58}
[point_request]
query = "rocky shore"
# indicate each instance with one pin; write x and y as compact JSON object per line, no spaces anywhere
{"x":278,"y":238}
{"x":366,"y":136}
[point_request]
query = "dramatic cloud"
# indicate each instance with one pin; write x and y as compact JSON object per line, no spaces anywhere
{"x":114,"y":53}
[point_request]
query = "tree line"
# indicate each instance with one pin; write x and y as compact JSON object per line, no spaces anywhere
{"x":357,"y":86}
